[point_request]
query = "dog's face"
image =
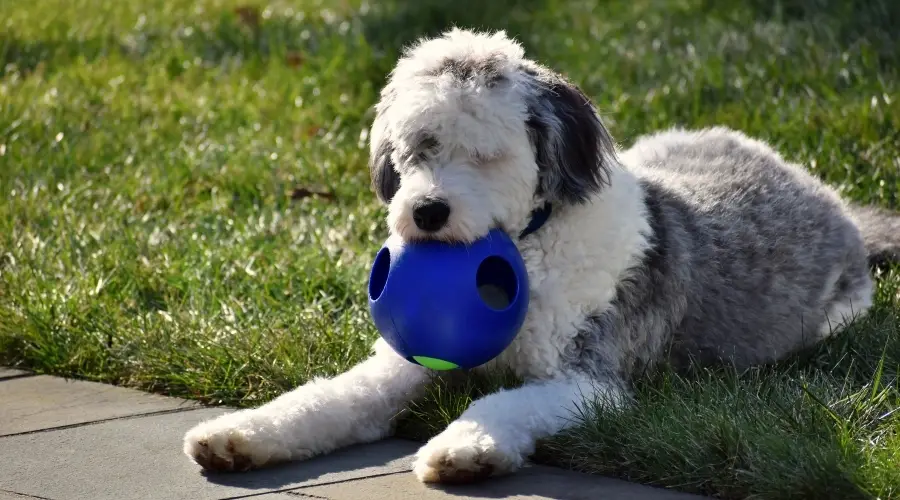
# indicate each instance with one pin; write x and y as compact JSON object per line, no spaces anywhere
{"x":469,"y":135}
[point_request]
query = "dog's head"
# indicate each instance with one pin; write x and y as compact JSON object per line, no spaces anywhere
{"x":470,"y":135}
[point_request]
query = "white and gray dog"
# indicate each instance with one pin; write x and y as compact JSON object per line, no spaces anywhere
{"x":691,"y":246}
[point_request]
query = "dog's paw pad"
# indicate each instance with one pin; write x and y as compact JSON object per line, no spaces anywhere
{"x":448,"y":471}
{"x":461,"y":460}
{"x":224,"y":449}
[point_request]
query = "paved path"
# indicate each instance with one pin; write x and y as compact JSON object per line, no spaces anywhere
{"x":75,"y":440}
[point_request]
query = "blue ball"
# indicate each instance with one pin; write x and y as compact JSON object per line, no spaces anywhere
{"x":447,"y":306}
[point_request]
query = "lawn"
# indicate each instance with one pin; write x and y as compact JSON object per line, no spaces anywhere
{"x":185,"y":206}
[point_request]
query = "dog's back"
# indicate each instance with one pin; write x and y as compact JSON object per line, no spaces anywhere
{"x":769,"y":258}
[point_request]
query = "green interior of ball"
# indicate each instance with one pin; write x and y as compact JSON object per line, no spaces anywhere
{"x":434,"y":363}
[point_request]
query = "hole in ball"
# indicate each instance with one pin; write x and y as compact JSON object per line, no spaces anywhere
{"x":496,"y":282}
{"x":379,"y":274}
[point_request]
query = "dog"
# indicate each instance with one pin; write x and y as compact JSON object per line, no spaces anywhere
{"x":690,"y":247}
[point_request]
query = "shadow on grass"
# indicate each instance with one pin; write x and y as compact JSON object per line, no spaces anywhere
{"x":399,"y":23}
{"x":235,"y":35}
{"x":242,"y":34}
{"x":846,"y":22}
{"x":850,"y":21}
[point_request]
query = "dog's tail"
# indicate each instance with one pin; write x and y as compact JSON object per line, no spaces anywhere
{"x":881,"y":233}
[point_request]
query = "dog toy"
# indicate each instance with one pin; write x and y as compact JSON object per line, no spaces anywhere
{"x":449,"y":305}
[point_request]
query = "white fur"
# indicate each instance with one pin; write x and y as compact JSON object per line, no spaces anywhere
{"x":355,"y":407}
{"x":501,"y":429}
{"x":842,"y":314}
{"x":558,"y":259}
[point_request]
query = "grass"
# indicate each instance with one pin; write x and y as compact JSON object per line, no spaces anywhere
{"x":157,"y":228}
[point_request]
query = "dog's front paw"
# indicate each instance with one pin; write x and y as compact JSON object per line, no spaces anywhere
{"x":465,"y":453}
{"x":238,"y":441}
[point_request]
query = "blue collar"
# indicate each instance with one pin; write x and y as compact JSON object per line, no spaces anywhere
{"x":538,"y":217}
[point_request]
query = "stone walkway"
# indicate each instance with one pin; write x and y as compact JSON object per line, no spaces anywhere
{"x":72,"y":440}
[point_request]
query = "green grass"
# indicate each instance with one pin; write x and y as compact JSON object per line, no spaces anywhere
{"x":149,"y":236}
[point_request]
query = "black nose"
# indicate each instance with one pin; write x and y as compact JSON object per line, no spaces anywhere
{"x":430,"y":214}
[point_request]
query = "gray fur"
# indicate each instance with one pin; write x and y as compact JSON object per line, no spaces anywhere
{"x":748,"y":254}
{"x":488,"y":70}
{"x":572,"y":147}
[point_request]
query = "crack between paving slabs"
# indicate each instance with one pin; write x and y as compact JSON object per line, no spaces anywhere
{"x":16,"y":376}
{"x":306,"y":495}
{"x":296,"y":490}
{"x":104,"y":420}
{"x":23,"y":495}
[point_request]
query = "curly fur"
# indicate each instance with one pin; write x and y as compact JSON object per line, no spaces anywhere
{"x":703,"y":246}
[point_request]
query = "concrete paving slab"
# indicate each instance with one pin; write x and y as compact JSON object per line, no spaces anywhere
{"x":11,"y":372}
{"x":44,"y":402}
{"x":531,"y":483}
{"x":142,"y":458}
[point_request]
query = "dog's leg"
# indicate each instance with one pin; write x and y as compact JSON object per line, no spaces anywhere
{"x":354,"y":407}
{"x":498,"y":432}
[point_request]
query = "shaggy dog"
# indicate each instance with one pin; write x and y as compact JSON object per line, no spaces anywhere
{"x":690,"y":247}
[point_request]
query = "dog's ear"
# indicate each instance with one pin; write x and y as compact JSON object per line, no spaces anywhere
{"x":572,"y":147}
{"x":385,"y":179}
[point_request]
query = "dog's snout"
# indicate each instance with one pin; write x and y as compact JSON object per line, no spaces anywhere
{"x":431,"y":214}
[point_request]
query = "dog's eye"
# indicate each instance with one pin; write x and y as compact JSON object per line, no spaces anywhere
{"x":495,"y":80}
{"x":426,"y":148}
